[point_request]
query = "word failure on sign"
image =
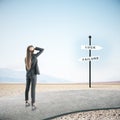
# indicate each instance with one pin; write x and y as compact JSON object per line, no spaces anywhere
{"x":89,"y":58}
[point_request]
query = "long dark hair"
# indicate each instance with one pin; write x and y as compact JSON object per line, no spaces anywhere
{"x":28,"y":57}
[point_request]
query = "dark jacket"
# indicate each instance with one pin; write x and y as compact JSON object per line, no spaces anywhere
{"x":34,"y":70}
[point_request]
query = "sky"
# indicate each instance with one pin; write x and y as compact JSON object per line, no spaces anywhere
{"x":61,"y":27}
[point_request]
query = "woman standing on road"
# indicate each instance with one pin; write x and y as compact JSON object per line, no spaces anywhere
{"x":32,"y":70}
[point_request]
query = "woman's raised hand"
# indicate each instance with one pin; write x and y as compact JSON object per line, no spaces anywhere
{"x":31,"y":49}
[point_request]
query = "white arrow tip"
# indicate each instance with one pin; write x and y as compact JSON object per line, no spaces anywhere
{"x":99,"y":47}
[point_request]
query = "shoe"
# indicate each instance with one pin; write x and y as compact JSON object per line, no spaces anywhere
{"x":33,"y":107}
{"x":27,"y":104}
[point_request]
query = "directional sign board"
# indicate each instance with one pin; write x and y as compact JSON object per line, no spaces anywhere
{"x":91,"y":47}
{"x":89,"y":58}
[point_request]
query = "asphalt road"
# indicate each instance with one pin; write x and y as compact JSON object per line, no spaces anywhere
{"x":51,"y":104}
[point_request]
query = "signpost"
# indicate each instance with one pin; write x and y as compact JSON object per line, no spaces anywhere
{"x":90,"y":58}
{"x":89,"y":63}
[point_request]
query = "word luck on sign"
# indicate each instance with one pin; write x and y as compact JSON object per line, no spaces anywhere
{"x":91,"y":47}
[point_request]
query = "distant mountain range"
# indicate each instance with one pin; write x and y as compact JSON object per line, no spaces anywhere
{"x":13,"y":76}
